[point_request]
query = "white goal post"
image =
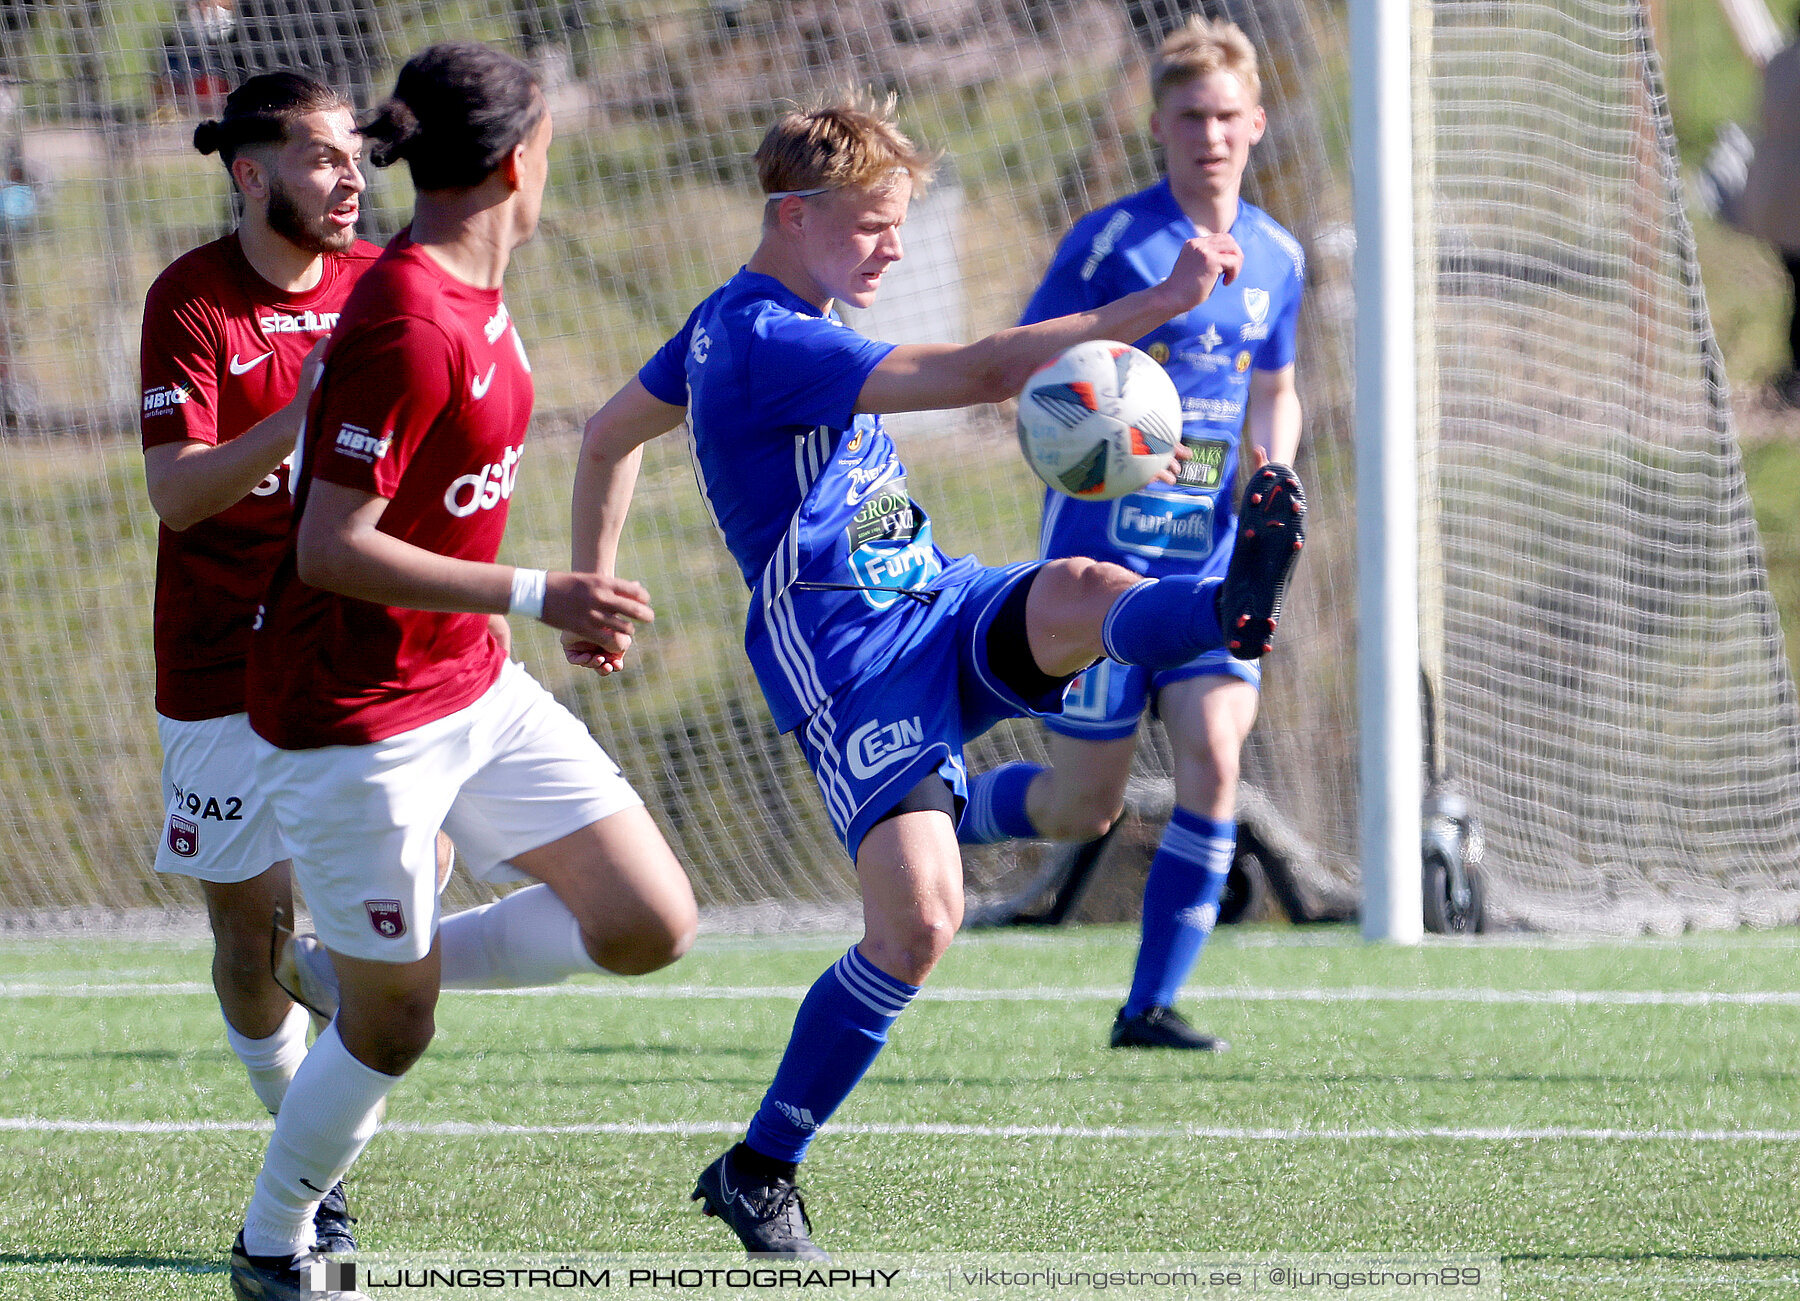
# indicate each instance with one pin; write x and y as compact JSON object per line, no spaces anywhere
{"x":1387,"y":480}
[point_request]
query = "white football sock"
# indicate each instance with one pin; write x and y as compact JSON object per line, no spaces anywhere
{"x":528,"y":938}
{"x":333,"y":1110}
{"x":272,"y":1061}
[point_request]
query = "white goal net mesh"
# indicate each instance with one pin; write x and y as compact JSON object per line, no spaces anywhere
{"x":1615,"y":700}
{"x":1616,"y":688}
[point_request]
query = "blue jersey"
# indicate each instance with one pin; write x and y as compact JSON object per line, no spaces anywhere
{"x":1209,"y":353}
{"x":810,"y":496}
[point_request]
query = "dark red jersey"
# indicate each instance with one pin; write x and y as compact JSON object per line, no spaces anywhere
{"x":425,"y":400}
{"x":222,"y":349}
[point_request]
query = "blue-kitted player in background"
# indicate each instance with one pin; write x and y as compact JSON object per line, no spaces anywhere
{"x":1232,"y":359}
{"x":881,"y":654}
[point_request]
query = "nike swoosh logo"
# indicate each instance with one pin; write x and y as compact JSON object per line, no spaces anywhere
{"x":735,"y":1195}
{"x":481,"y":386}
{"x":245,"y":367}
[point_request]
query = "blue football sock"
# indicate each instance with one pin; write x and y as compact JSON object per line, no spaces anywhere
{"x":996,"y":807}
{"x":1181,"y":904}
{"x":1164,"y":622}
{"x":842,"y":1025}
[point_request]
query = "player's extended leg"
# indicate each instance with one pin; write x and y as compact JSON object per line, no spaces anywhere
{"x":1208,"y":719}
{"x":614,"y":898}
{"x":549,"y":802}
{"x":911,"y":875}
{"x":1076,"y":610}
{"x":1080,"y":609}
{"x":1163,"y":623}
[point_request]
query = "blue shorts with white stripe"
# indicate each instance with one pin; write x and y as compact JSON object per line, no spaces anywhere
{"x":881,"y":734}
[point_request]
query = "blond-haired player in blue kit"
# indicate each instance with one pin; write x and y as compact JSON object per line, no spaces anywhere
{"x":880,"y":653}
{"x":1232,"y":359}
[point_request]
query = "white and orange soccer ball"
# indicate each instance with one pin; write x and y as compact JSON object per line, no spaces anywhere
{"x":1099,"y":420}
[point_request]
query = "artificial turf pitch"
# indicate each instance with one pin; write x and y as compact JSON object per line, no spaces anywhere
{"x":1595,"y":1119}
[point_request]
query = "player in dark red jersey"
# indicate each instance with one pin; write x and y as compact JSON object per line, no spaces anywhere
{"x":386,"y":705}
{"x":227,"y":328}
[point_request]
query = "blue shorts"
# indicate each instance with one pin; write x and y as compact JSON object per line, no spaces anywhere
{"x":876,"y":739}
{"x":1105,"y":703}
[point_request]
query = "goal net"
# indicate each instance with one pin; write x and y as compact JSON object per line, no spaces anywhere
{"x":1615,"y":683}
{"x":1615,"y":700}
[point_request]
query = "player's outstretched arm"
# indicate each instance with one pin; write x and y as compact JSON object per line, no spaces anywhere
{"x":1273,"y":421}
{"x":612,"y":448}
{"x":340,"y":548}
{"x":929,"y":377}
{"x":190,"y":481}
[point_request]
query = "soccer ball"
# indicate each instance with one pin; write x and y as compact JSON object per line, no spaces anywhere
{"x":1099,"y":420}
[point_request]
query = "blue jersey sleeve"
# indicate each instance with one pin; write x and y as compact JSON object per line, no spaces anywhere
{"x":809,"y":370}
{"x":1065,"y":288}
{"x":665,"y":374}
{"x":1279,"y":351}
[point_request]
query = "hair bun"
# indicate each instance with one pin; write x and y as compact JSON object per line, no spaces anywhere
{"x":208,"y":136}
{"x":391,"y":129}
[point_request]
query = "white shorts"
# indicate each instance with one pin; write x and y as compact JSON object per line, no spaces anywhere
{"x":218,"y":826}
{"x":510,"y":773}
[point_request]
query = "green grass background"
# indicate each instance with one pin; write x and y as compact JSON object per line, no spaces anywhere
{"x":141,"y":1216}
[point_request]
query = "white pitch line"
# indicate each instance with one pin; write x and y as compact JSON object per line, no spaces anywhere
{"x":1039,"y":994}
{"x":697,"y":1128}
{"x":91,"y":1267}
{"x":26,"y":989}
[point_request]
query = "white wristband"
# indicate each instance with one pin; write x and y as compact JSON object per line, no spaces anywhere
{"x":528,"y":592}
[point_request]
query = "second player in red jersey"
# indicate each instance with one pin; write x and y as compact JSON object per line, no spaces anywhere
{"x":425,"y":405}
{"x":380,"y":690}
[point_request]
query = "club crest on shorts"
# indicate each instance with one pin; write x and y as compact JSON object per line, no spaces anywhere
{"x":387,"y":917}
{"x":184,"y":836}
